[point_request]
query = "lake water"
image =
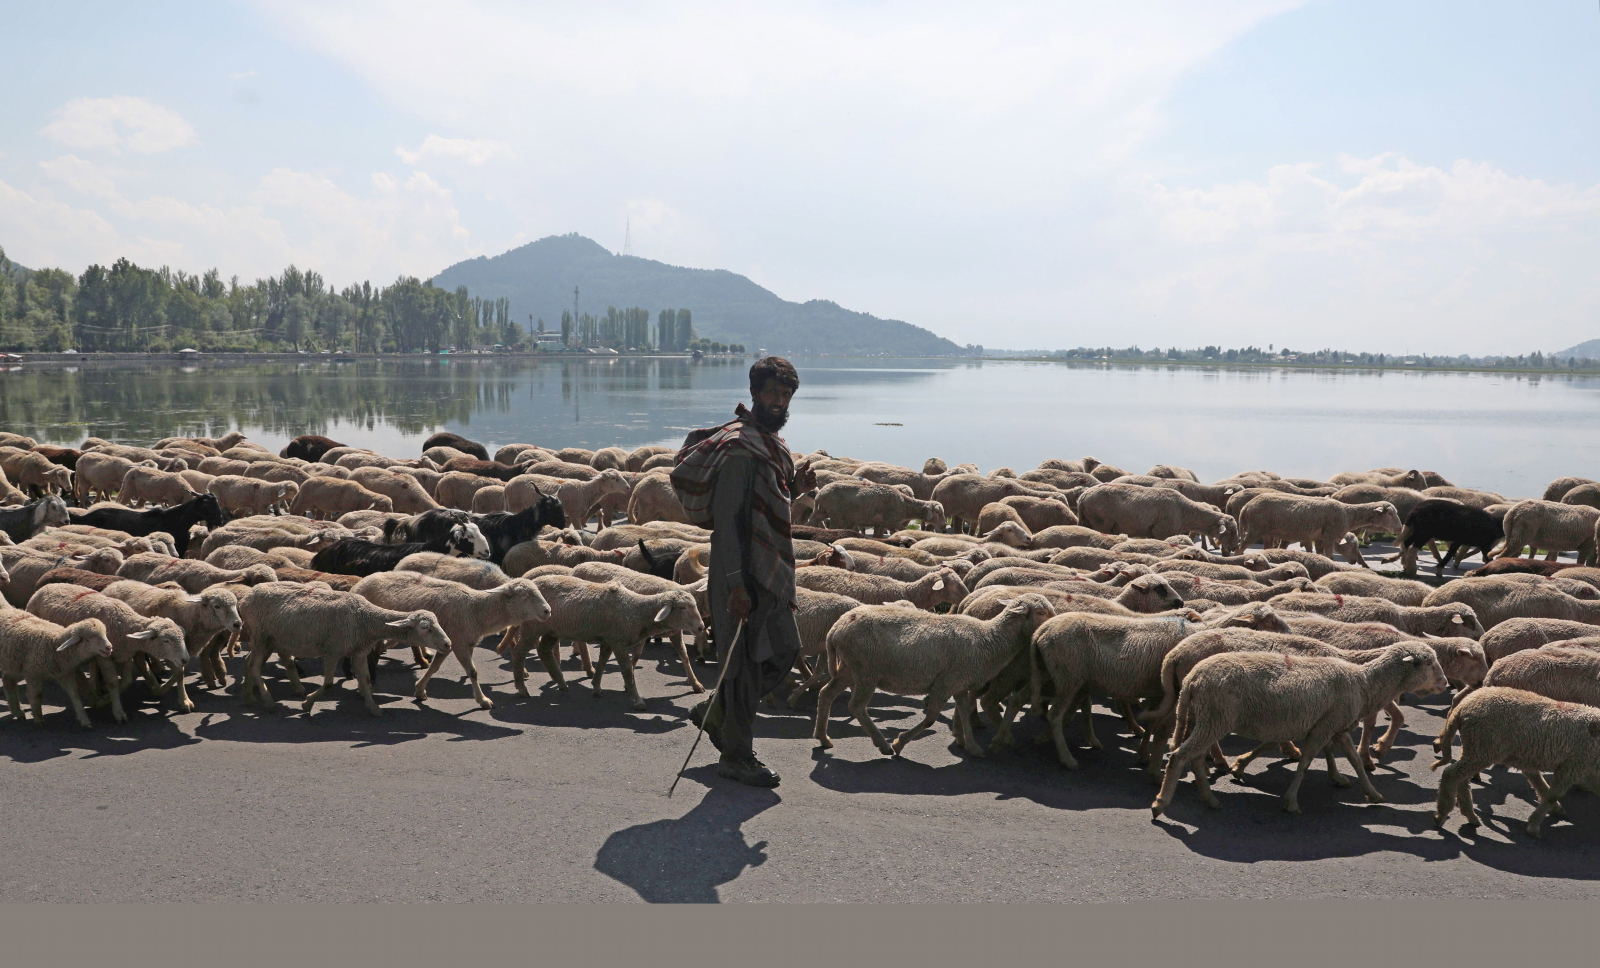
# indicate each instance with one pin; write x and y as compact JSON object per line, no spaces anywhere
{"x":1501,"y":432}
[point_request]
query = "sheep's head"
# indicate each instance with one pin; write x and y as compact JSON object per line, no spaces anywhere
{"x":1256,"y":615}
{"x":421,"y":628}
{"x":163,"y":639}
{"x":1226,"y":529}
{"x":1150,"y":593}
{"x":933,"y":517}
{"x":53,"y":512}
{"x":88,"y":635}
{"x":1426,"y":677}
{"x":524,"y":600}
{"x":1454,"y":619}
{"x":1010,"y":533}
{"x":221,"y":608}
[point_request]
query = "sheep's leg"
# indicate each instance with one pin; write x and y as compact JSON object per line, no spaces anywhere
{"x":1541,"y":789}
{"x":1563,"y":780}
{"x":813,"y":681}
{"x":688,"y":669}
{"x":1349,"y":749}
{"x":1188,"y":751}
{"x":550,"y":657}
{"x":1218,"y":757}
{"x":1087,"y":705}
{"x":330,"y":672}
{"x":291,"y":668}
{"x":463,"y":655}
{"x":966,"y":709}
{"x":626,"y":668}
{"x":36,"y":701}
{"x":1058,"y":713}
{"x":108,"y":671}
{"x":147,"y":669}
{"x":582,"y":650}
{"x":1334,"y":776}
{"x":859,"y":698}
{"x":1245,"y":760}
{"x":180,"y":680}
{"x":1320,"y":735}
{"x":508,"y":639}
{"x":1128,"y":717}
{"x":69,"y":683}
{"x":422,"y":657}
{"x":830,"y":692}
{"x":364,"y":683}
{"x":1002,"y":734}
{"x":1385,"y":742}
{"x":233,"y":645}
{"x":433,"y":667}
{"x":13,"y":698}
{"x":602,"y":657}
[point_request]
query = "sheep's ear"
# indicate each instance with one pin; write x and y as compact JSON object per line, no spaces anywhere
{"x":661,"y":616}
{"x":404,"y":623}
{"x":1456,"y":620}
{"x":70,"y":641}
{"x":1463,"y":650}
{"x":1409,"y":659}
{"x":938,"y":584}
{"x":192,"y":599}
{"x":146,"y":634}
{"x":1007,"y":601}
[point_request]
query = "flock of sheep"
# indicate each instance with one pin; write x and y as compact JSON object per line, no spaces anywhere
{"x":1047,"y":590}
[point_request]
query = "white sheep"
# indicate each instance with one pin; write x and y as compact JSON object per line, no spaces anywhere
{"x":1524,"y":730}
{"x":859,"y":504}
{"x":331,"y":497}
{"x":247,"y":495}
{"x":130,"y":633}
{"x":208,"y":619}
{"x":926,"y":592}
{"x":40,"y":651}
{"x":1317,"y":523}
{"x":1152,"y":512}
{"x":465,"y":614}
{"x":1494,"y":599}
{"x":304,"y":621}
{"x":602,"y":572}
{"x":1448,"y":619}
{"x":1516,"y":634}
{"x":1553,"y":528}
{"x":913,"y":653}
{"x":615,"y":617}
{"x":194,"y":576}
{"x":1271,"y":698}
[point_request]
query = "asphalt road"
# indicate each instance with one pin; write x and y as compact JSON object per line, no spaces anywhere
{"x":559,"y":798}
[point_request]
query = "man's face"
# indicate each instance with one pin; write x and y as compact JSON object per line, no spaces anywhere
{"x":772,"y":404}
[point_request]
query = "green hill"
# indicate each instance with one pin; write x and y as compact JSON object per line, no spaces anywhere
{"x":1591,"y":349}
{"x":539,"y":278}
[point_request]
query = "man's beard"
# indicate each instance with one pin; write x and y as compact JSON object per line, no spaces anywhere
{"x":771,"y":419}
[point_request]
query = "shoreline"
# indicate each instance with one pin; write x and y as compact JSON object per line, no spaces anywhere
{"x":242,"y":358}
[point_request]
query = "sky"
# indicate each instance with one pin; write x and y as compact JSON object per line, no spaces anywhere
{"x":1413,"y":177}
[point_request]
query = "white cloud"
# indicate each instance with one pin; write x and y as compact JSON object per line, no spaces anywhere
{"x":401,"y":226}
{"x":1364,"y":253}
{"x":473,"y":152}
{"x":119,"y":124}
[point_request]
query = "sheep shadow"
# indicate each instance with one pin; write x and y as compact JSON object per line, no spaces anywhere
{"x":147,"y":728}
{"x":685,"y":860}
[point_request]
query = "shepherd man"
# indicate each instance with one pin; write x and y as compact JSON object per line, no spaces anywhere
{"x":738,"y":480}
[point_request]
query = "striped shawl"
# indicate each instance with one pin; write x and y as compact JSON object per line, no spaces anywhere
{"x":695,"y":480}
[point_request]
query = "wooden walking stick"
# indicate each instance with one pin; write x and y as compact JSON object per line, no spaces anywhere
{"x":715,"y":692}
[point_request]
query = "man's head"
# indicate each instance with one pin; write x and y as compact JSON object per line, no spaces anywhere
{"x":773,"y":382}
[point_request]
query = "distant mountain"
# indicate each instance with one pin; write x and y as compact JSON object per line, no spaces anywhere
{"x":539,"y":278}
{"x":1591,"y":349}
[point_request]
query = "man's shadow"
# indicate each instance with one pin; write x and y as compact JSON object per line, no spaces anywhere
{"x":684,"y":860}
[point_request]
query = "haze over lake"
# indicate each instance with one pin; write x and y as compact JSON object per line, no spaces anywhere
{"x":1506,"y":433}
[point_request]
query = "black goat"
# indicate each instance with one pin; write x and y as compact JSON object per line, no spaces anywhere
{"x":356,"y":556}
{"x":446,"y":439}
{"x":176,"y":520}
{"x":502,"y":529}
{"x":661,"y":567}
{"x":25,"y":522}
{"x":1440,"y":519}
{"x":309,"y":447}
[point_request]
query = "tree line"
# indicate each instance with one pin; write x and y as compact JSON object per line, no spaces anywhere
{"x":627,"y":330}
{"x":1276,"y":355}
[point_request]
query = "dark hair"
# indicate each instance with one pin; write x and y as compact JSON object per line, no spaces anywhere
{"x":773,"y":368}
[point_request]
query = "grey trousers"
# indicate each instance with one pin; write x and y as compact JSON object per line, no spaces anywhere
{"x":748,"y":679}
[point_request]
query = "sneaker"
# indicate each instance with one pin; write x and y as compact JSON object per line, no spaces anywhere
{"x":747,"y":770}
{"x":713,"y":729}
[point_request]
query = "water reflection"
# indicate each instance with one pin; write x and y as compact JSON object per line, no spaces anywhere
{"x":1499,"y":431}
